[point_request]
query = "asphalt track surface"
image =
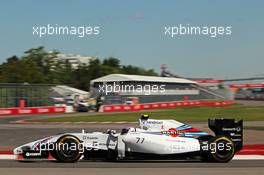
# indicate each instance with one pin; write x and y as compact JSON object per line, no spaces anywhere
{"x":131,"y":164}
{"x":132,"y":167}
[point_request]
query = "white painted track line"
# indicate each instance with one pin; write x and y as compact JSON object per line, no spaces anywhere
{"x":7,"y":157}
{"x":248,"y":157}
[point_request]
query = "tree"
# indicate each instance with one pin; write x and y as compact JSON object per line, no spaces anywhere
{"x":44,"y":61}
{"x":137,"y":71}
{"x":20,"y":71}
{"x":112,"y":62}
{"x":40,"y":66}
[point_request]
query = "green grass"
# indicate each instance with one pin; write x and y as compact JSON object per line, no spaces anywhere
{"x":259,"y":128}
{"x":185,"y":114}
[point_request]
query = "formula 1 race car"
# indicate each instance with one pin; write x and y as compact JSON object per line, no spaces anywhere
{"x":153,"y":139}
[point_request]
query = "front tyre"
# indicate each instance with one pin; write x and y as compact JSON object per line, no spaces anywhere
{"x":67,"y":149}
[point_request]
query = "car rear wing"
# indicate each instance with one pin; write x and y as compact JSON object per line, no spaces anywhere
{"x":228,"y":127}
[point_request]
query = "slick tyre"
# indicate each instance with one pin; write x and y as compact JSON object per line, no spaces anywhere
{"x":221,"y":149}
{"x":67,"y":149}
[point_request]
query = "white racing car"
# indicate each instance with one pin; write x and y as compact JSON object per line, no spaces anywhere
{"x":153,"y":139}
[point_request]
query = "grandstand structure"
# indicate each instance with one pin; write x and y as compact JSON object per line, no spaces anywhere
{"x":35,"y":95}
{"x":70,"y":92}
{"x":11,"y":95}
{"x":176,"y":89}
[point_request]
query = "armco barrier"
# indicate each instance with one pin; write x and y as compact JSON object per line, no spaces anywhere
{"x":246,"y":85}
{"x":32,"y":110}
{"x":161,"y":105}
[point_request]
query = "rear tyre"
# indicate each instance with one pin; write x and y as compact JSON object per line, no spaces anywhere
{"x":67,"y":149}
{"x":221,"y":149}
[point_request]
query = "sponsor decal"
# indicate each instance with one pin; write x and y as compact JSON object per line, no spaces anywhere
{"x":24,"y":111}
{"x":28,"y":154}
{"x":172,"y":132}
{"x":43,"y":110}
{"x":106,"y":144}
{"x":5,"y":112}
{"x":89,"y":138}
{"x":237,"y":140}
{"x":235,"y":135}
{"x":154,"y":122}
{"x":177,"y":141}
{"x":232,"y":129}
